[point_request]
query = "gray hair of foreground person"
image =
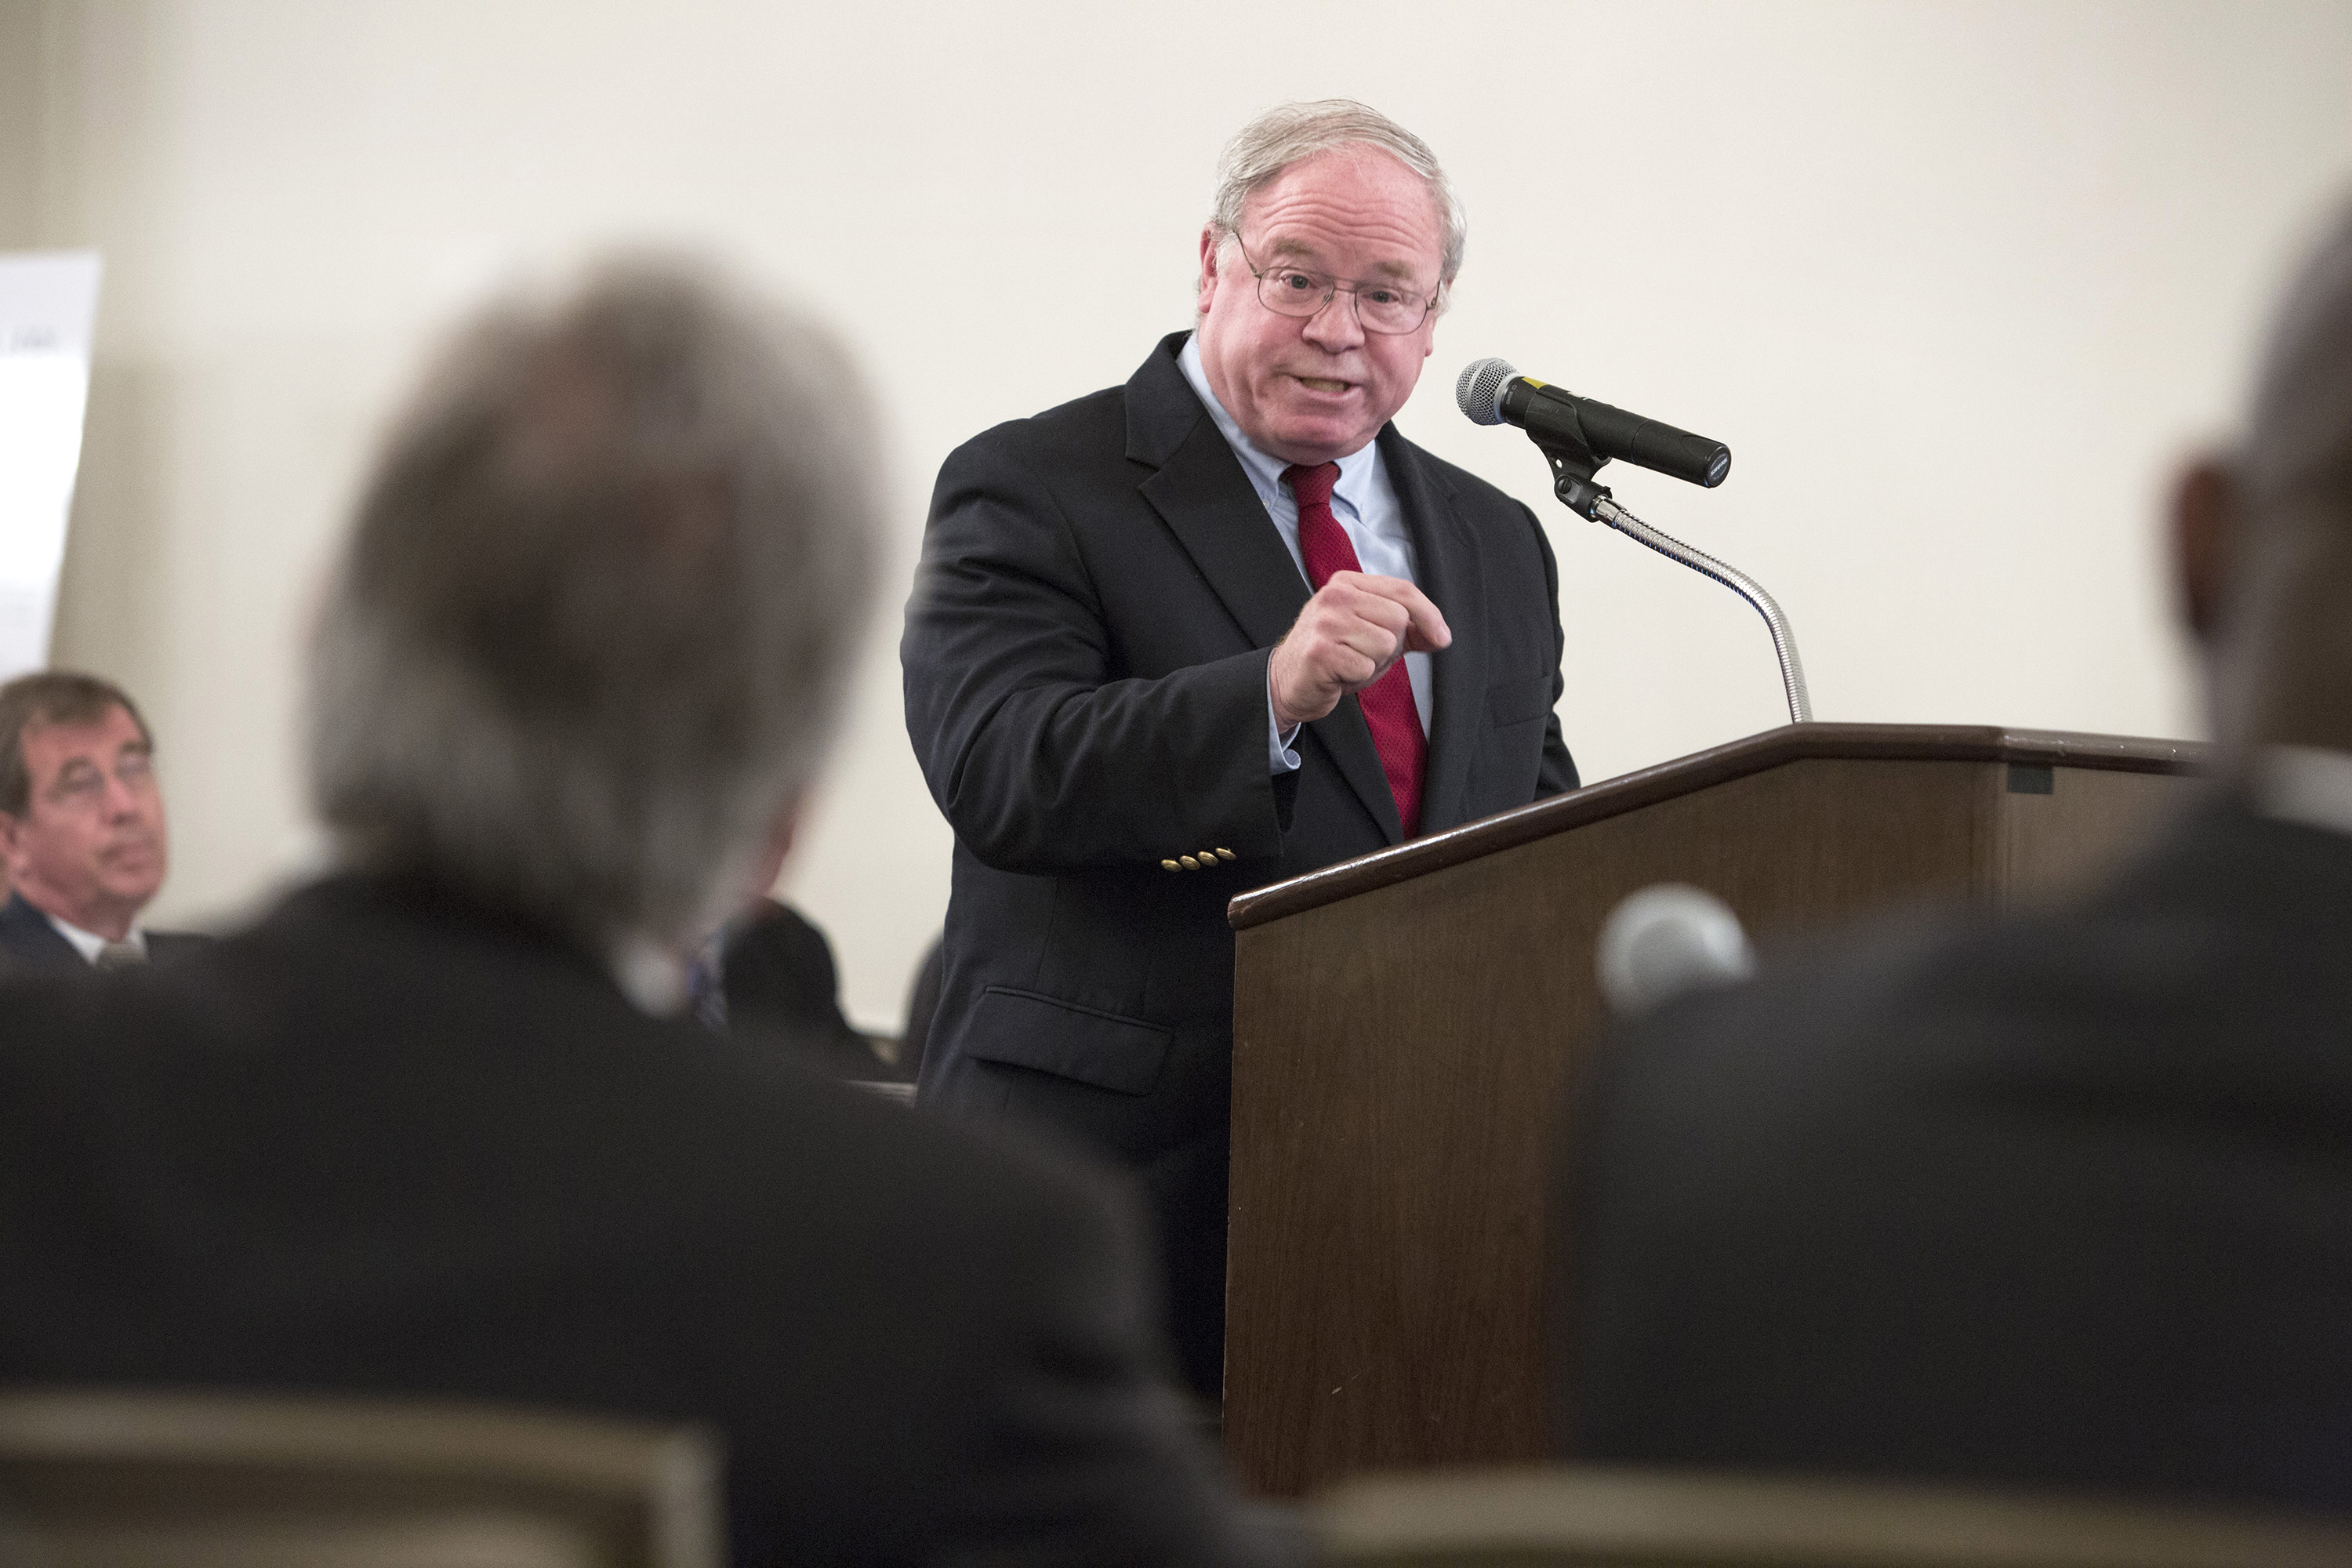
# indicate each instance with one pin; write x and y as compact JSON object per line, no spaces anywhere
{"x":1294,"y":132}
{"x":584,"y":648}
{"x":2263,"y":535}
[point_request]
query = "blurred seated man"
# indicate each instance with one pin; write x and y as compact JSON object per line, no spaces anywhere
{"x":439,"y":1124}
{"x":81,"y":826}
{"x":922,"y":1006}
{"x":2061,"y":1198}
{"x":768,"y":977}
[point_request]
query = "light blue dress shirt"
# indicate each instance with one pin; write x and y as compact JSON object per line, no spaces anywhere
{"x":1364,"y":503}
{"x":90,"y":944}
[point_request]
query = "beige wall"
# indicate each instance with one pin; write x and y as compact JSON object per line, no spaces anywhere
{"x":20,"y":122}
{"x":1957,"y":281}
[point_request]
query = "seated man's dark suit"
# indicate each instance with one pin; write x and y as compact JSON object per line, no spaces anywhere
{"x":2061,"y":1200}
{"x":391,"y":1140}
{"x":27,"y":941}
{"x":782,"y":991}
{"x":1086,"y":678}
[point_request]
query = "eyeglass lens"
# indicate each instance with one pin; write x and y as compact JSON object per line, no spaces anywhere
{"x":1382,"y":307}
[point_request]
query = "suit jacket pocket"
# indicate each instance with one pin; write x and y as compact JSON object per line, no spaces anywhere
{"x":1518,"y":700}
{"x":1024,"y":1029}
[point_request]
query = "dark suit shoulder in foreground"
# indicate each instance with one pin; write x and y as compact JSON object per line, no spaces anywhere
{"x":2053,"y":1200}
{"x":388,"y":1142}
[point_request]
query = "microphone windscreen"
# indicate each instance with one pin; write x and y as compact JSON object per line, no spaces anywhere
{"x":1665,"y":939}
{"x":1479,"y":389}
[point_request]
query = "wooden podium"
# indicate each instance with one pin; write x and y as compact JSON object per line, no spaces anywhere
{"x":1405,"y":1026}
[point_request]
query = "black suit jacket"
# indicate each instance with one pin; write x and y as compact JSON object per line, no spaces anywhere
{"x":27,"y":941}
{"x":2062,"y":1200}
{"x":1085,"y":681}
{"x":391,"y":1140}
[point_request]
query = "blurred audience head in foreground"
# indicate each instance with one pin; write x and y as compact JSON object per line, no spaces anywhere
{"x":81,"y":823}
{"x":584,"y":647}
{"x":425,"y":1127}
{"x":2052,"y":1198}
{"x":2262,"y":537}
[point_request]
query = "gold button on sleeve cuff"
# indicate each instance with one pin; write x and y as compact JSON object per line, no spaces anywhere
{"x":1190,"y":864}
{"x":1169,"y":865}
{"x":1228,"y":855}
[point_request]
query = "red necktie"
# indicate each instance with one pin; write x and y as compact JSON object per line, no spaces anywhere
{"x":1387,"y":701}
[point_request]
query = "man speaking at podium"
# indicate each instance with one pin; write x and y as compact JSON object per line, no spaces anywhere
{"x":1212,"y":628}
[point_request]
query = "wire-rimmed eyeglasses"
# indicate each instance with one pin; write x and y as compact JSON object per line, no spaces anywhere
{"x":1386,"y":307}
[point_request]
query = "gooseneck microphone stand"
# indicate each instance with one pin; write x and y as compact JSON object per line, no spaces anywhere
{"x":1572,"y":467}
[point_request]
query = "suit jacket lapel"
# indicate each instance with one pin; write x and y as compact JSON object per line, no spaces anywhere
{"x":1200,"y":490}
{"x":1346,"y":734}
{"x":27,"y":934}
{"x":1208,"y":503}
{"x":1446,"y":565}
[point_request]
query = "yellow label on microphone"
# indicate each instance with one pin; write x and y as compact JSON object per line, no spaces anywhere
{"x":1531,"y":381}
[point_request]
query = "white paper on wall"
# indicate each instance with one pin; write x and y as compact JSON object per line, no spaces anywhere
{"x":48,"y":303}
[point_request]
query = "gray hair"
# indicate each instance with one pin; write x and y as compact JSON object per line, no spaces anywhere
{"x":1293,"y":132}
{"x":587,"y":638}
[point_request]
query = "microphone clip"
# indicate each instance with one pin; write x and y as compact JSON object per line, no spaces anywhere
{"x":1573,"y":465}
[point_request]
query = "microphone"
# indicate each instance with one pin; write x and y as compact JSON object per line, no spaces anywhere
{"x":1492,"y":392}
{"x":1665,"y":939}
{"x":1577,"y":435}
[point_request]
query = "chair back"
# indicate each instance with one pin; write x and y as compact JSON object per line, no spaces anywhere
{"x":123,"y":1479}
{"x":1597,"y":1518}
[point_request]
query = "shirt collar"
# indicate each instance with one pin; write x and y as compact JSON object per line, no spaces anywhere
{"x":653,"y":977}
{"x":1265,"y":471}
{"x":2305,"y":785}
{"x":88,"y":943}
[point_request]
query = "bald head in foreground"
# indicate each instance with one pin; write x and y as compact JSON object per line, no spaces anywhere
{"x":434,"y":1126}
{"x":2058,"y":1199}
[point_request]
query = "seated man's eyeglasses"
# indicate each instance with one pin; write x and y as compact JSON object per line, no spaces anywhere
{"x":1392,"y":308}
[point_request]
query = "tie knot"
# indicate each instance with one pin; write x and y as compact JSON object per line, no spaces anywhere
{"x":1312,"y":486}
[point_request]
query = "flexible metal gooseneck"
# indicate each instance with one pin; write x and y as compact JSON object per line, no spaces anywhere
{"x":1485,"y":394}
{"x":1784,"y":640}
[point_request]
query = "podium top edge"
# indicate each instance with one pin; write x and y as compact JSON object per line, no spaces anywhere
{"x":1717,"y":764}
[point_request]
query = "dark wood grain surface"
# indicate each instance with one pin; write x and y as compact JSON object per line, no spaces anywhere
{"x":1404,"y":1045}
